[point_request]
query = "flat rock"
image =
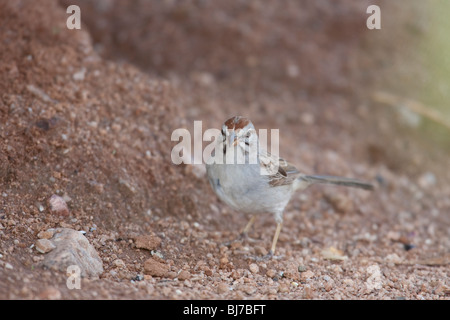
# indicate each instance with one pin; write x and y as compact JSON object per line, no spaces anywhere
{"x":72,"y":248}
{"x":148,"y":241}
{"x":155,"y":268}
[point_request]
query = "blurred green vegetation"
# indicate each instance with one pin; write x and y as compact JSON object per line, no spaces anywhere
{"x":435,"y":92}
{"x":421,"y":77}
{"x":436,"y":46}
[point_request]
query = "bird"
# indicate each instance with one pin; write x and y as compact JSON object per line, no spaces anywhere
{"x":252,"y":181}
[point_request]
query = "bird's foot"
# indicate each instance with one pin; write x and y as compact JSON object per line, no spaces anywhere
{"x":266,"y":257}
{"x":245,"y":237}
{"x":241,"y":238}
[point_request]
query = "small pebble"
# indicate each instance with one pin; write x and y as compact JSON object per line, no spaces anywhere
{"x":187,"y":283}
{"x":166,"y":291}
{"x":24,"y":291}
{"x":249,"y":290}
{"x":236,"y":246}
{"x":47,"y":234}
{"x":184,"y":275}
{"x":302,"y":268}
{"x":306,"y":275}
{"x":283,"y":288}
{"x":79,"y":75}
{"x":223,"y":288}
{"x":239,"y":296}
{"x":138,"y":277}
{"x":393,"y":258}
{"x":328,"y":286}
{"x":157,"y":254}
{"x":271,"y":273}
{"x":235,"y":274}
{"x":58,"y":205}
{"x":291,"y":274}
{"x":308,"y":292}
{"x":50,"y":293}
{"x":254,"y":268}
{"x":44,"y":245}
{"x":119,"y":263}
{"x":272,"y":291}
{"x":348,"y":282}
{"x":208,"y":272}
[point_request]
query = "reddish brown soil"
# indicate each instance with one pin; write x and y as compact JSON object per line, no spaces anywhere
{"x":89,"y":115}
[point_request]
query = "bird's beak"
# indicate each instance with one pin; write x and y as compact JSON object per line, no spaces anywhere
{"x":232,"y":140}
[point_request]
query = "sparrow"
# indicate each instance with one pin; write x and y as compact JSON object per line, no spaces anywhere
{"x":252,"y":181}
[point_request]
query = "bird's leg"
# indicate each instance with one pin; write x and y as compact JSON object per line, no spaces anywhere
{"x":244,"y":231}
{"x":275,"y":239}
{"x":271,"y":255}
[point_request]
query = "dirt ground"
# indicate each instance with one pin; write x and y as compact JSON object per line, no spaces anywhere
{"x":88,"y":115}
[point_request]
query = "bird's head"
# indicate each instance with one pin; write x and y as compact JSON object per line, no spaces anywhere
{"x":239,"y":132}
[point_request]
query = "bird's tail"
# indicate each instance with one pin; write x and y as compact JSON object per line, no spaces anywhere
{"x":337,"y":181}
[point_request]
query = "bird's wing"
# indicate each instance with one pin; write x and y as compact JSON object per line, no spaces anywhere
{"x":279,"y":171}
